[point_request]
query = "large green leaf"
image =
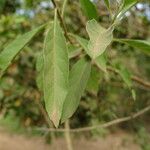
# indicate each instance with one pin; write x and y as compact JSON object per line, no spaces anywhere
{"x":79,"y":76}
{"x":127,"y":4}
{"x":9,"y":53}
{"x":138,"y":44}
{"x":89,"y":9}
{"x":100,"y":38}
{"x":56,"y":71}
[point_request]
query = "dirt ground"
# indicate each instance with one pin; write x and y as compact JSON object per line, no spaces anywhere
{"x":115,"y":141}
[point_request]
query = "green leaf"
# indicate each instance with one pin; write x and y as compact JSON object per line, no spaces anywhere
{"x":79,"y":76}
{"x":138,"y":44}
{"x":39,"y":69}
{"x":10,"y":52}
{"x":126,"y":76}
{"x":56,"y":71}
{"x":94,"y":80}
{"x":83,"y":42}
{"x":133,"y":94}
{"x":100,"y":38}
{"x":73,"y":51}
{"x":89,"y":9}
{"x":107,"y":3}
{"x":101,"y":61}
{"x":127,"y":4}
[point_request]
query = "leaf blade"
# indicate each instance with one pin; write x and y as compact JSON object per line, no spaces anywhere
{"x":55,"y":72}
{"x":138,"y":44}
{"x":10,"y":52}
{"x":89,"y":9}
{"x":100,"y":38}
{"x":79,"y":76}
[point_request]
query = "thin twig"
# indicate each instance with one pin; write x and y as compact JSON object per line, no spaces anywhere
{"x":61,"y":21}
{"x":105,"y":125}
{"x":68,"y":136}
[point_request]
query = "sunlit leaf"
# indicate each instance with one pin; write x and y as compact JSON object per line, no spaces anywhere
{"x":100,"y":38}
{"x":56,"y":71}
{"x":79,"y":76}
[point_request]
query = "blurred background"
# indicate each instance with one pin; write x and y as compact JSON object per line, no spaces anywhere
{"x":106,"y":98}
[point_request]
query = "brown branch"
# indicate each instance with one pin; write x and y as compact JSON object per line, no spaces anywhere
{"x":62,"y":22}
{"x":105,"y":125}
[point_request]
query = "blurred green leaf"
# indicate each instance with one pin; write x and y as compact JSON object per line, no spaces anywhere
{"x":107,"y":3}
{"x":127,"y":4}
{"x":9,"y":53}
{"x":89,"y":9}
{"x":138,"y":44}
{"x":73,"y":50}
{"x":101,"y":61}
{"x":94,"y":80}
{"x":126,"y":76}
{"x":56,"y":71}
{"x":79,"y":76}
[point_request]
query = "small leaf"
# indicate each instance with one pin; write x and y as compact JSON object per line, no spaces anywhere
{"x":138,"y":44}
{"x":73,"y":50}
{"x":79,"y":76}
{"x":133,"y":94}
{"x":127,"y":4}
{"x":126,"y":76}
{"x":94,"y":80}
{"x":107,"y":3}
{"x":89,"y":9}
{"x":101,"y":61}
{"x":100,"y":38}
{"x":10,"y":52}
{"x":56,"y":71}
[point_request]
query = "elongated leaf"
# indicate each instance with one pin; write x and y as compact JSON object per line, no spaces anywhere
{"x":89,"y":9}
{"x":127,"y":4}
{"x":9,"y":53}
{"x":126,"y":76}
{"x":138,"y":44}
{"x":56,"y":71}
{"x":107,"y":3}
{"x":79,"y":76}
{"x":100,"y":38}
